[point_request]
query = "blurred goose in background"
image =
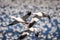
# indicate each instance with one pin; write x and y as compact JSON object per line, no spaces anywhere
{"x":20,"y":19}
{"x":25,"y":33}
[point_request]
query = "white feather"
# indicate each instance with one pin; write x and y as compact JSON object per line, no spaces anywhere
{"x":39,"y":14}
{"x":34,"y":29}
{"x":31,"y":29}
{"x":34,"y":19}
{"x":25,"y":33}
{"x":18,"y":19}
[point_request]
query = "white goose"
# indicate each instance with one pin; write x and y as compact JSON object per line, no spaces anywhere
{"x":20,"y":19}
{"x":40,"y":14}
{"x":25,"y":33}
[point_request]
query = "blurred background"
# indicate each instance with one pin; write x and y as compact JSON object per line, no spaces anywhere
{"x":49,"y":28}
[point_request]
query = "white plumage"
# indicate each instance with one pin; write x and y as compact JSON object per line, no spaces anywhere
{"x":38,"y":13}
{"x":25,"y":33}
{"x":18,"y":19}
{"x":34,"y":19}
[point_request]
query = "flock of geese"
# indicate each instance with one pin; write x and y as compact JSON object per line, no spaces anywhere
{"x":36,"y":17}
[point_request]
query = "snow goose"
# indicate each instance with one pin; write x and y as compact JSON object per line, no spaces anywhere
{"x":20,"y":19}
{"x":25,"y":33}
{"x":40,"y":14}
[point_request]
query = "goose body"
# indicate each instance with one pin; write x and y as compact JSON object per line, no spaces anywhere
{"x":18,"y":19}
{"x":34,"y":19}
{"x":39,"y":14}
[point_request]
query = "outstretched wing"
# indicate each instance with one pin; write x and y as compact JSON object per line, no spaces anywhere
{"x":22,"y":37}
{"x":13,"y":23}
{"x":26,"y":16}
{"x":36,"y":34}
{"x":31,"y":24}
{"x":23,"y":34}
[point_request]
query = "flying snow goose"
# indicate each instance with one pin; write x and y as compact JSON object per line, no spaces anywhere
{"x":25,"y":33}
{"x":40,"y":14}
{"x":20,"y":19}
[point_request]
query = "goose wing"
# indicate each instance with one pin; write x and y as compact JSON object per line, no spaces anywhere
{"x":26,"y":16}
{"x":13,"y":23}
{"x":31,"y":24}
{"x":22,"y":37}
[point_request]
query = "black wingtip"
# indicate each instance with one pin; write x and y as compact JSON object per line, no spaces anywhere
{"x":36,"y":34}
{"x":29,"y":12}
{"x":43,"y":14}
{"x":10,"y":24}
{"x":31,"y":24}
{"x":49,"y":17}
{"x":22,"y":37}
{"x":46,"y":15}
